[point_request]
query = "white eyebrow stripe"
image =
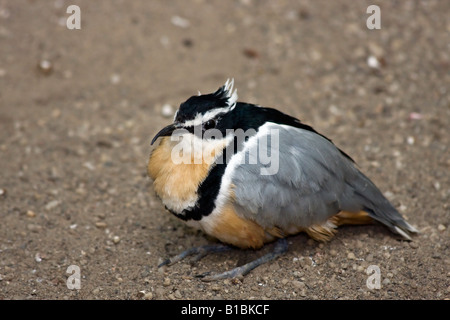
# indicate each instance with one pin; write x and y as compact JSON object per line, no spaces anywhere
{"x":194,"y":122}
{"x":199,"y":118}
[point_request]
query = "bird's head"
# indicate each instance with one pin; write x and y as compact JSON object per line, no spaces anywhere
{"x":204,"y":116}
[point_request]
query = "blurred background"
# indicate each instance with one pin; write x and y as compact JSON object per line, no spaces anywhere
{"x":78,"y":109}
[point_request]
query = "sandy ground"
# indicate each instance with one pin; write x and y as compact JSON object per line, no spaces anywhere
{"x":78,"y":109}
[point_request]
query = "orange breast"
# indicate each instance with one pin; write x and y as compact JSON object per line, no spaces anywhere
{"x":230,"y":228}
{"x":174,"y":183}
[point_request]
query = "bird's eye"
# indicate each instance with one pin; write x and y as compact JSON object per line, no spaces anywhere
{"x":210,"y":124}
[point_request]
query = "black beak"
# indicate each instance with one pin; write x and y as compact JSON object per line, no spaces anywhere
{"x":166,"y":131}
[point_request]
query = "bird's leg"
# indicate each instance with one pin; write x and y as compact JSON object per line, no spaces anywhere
{"x":281,"y":247}
{"x":199,"y":253}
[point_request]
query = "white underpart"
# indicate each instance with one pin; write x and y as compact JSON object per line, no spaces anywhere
{"x":177,"y":205}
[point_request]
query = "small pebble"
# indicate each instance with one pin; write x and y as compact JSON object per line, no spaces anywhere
{"x":351,"y":256}
{"x":178,"y":294}
{"x":56,"y":113}
{"x":251,"y":53}
{"x":51,"y":205}
{"x":2,"y":192}
{"x":413,"y":245}
{"x":30,"y":214}
{"x":437,"y":185}
{"x":100,"y":225}
{"x":115,"y":78}
{"x":441,"y":227}
{"x":298,"y":284}
{"x":167,"y":111}
{"x":373,"y":62}
{"x":180,"y":22}
{"x":215,"y":287}
{"x":45,"y":67}
{"x":166,"y":282}
{"x":101,"y":215}
{"x":148,"y":296}
{"x":415,"y":116}
{"x":34,"y":227}
{"x":37,"y":257}
{"x":116,"y":239}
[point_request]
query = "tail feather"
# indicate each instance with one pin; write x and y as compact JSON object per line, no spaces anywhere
{"x":402,"y":233}
{"x":393,"y":220}
{"x":380,"y":209}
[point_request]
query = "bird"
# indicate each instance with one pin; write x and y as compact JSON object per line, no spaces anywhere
{"x":249,"y":175}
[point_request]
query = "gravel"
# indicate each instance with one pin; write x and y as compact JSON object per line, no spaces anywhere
{"x":78,"y":109}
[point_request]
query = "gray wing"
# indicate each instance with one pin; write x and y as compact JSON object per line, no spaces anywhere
{"x":300,"y":178}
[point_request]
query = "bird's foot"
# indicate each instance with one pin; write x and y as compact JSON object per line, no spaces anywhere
{"x":281,"y":247}
{"x":199,"y":253}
